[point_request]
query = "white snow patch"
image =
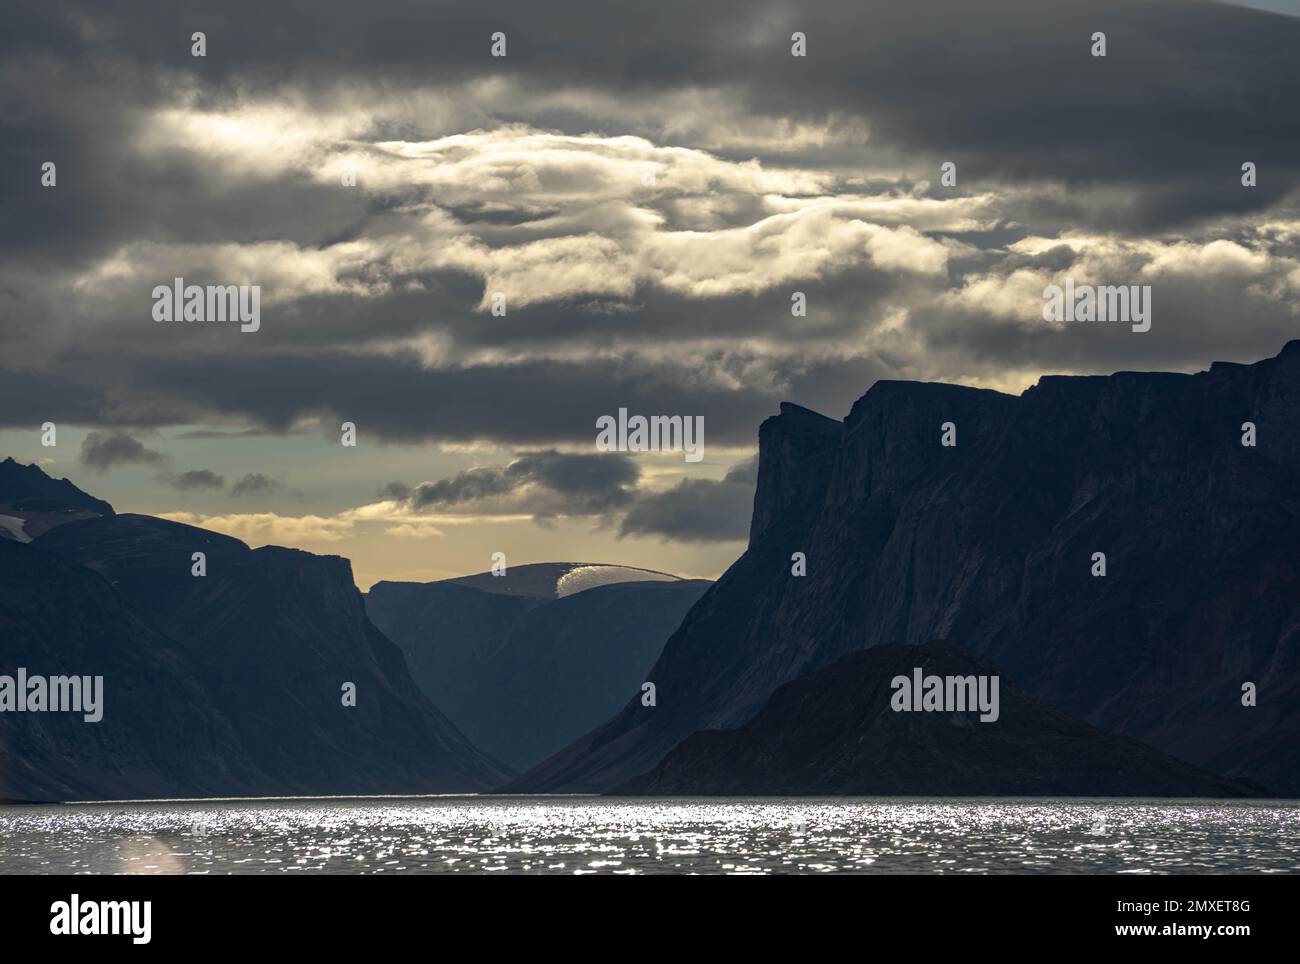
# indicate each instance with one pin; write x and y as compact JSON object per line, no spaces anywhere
{"x":14,"y":527}
{"x":588,"y":577}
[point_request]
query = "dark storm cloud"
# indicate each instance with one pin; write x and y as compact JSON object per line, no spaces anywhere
{"x":256,"y":483}
{"x":101,"y":451}
{"x":397,"y":491}
{"x":1007,"y":89}
{"x":197,"y":479}
{"x":207,"y":433}
{"x":395,"y":398}
{"x":1148,"y":139}
{"x":28,"y":398}
{"x":586,"y":484}
{"x":467,"y":486}
{"x":649,"y":318}
{"x":1205,"y":321}
{"x":87,"y":118}
{"x":546,"y":402}
{"x":553,"y":484}
{"x":837,"y":306}
{"x":697,"y":510}
{"x":404,"y":40}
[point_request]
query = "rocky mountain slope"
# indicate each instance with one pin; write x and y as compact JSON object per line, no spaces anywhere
{"x":991,"y":543}
{"x":159,"y":734}
{"x":270,"y":636}
{"x":835,"y":732}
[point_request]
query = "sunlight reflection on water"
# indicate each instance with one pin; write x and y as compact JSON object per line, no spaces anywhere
{"x":574,"y":835}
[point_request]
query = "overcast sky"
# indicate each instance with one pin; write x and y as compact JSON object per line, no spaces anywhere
{"x":648,"y":185}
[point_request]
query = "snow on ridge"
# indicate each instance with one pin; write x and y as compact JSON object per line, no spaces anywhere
{"x":580,"y":578}
{"x":14,"y":526}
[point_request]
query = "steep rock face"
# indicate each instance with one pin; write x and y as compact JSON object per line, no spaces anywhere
{"x":990,"y":543}
{"x":158,"y":735}
{"x":273,"y":634}
{"x":798,"y":450}
{"x":524,"y":676}
{"x":704,"y":663}
{"x":835,"y":732}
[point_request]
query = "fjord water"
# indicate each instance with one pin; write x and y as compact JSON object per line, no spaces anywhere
{"x":576,"y":835}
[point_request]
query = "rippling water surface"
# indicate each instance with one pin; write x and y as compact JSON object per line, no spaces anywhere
{"x":576,"y":835}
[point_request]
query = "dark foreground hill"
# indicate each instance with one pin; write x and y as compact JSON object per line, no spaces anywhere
{"x":521,"y":669}
{"x":993,"y":541}
{"x":835,"y":732}
{"x":256,"y":654}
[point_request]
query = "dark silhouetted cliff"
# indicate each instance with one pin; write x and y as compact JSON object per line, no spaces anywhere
{"x":990,"y":543}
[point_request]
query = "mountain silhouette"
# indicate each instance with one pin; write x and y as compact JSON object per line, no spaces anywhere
{"x":992,"y":543}
{"x":269,"y":637}
{"x":31,"y":502}
{"x":521,"y":669}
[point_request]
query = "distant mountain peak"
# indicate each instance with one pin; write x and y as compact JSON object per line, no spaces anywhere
{"x":31,"y":502}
